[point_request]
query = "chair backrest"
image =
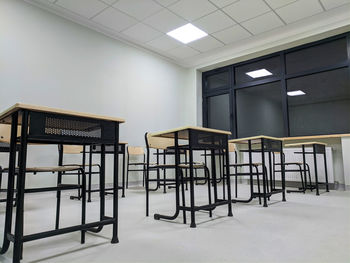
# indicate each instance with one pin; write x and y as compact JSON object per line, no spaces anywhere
{"x":5,"y":132}
{"x":73,"y":149}
{"x":231,"y":147}
{"x":136,"y":150}
{"x":159,"y":142}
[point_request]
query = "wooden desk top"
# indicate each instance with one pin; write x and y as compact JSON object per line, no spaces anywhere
{"x":313,"y":137}
{"x":254,"y":139}
{"x":5,"y":116}
{"x":304,"y":143}
{"x":183,"y":132}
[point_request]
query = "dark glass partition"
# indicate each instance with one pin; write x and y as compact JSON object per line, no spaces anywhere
{"x":325,"y":106}
{"x":321,"y":55}
{"x":259,"y":104}
{"x":219,"y":112}
{"x":259,"y":110}
{"x":270,"y":65}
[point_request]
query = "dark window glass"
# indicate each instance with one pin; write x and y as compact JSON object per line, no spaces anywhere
{"x":317,"y":56}
{"x":219,"y":112}
{"x":325,"y":107}
{"x":272,"y":65}
{"x":218,"y":80}
{"x":259,"y":110}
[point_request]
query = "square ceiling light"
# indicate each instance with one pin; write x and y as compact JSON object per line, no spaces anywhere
{"x":259,"y":73}
{"x":295,"y":93}
{"x":187,"y":33}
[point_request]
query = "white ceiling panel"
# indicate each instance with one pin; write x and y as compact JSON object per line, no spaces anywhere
{"x":222,"y":3}
{"x":232,"y":34}
{"x":192,"y":9}
{"x":246,"y":9}
{"x":206,"y":43}
{"x":139,"y":9}
{"x":279,"y":3}
{"x":165,"y":21}
{"x":299,"y":10}
{"x":164,"y":43}
{"x":166,"y":2}
{"x":85,"y":8}
{"x":141,"y":33}
{"x":329,"y":4}
{"x":114,"y":19}
{"x":263,"y":23}
{"x":183,"y":52}
{"x":214,"y":22}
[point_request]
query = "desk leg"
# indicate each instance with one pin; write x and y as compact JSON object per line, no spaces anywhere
{"x":264,"y":172}
{"x":304,"y":166}
{"x":315,"y":165}
{"x":325,"y":169}
{"x":228,"y":178}
{"x":18,"y":243}
{"x":10,"y":184}
{"x":115,"y":188}
{"x":193,"y":216}
{"x":123,"y":177}
{"x":90,"y":173}
{"x":283,"y":174}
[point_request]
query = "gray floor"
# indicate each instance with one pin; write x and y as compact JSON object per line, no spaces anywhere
{"x":306,"y":228}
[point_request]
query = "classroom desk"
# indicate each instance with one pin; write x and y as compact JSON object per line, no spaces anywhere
{"x":265,"y":144}
{"x":317,"y":148}
{"x":44,"y":125}
{"x":197,"y":138}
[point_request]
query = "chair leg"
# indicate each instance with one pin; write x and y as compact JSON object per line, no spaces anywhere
{"x":83,"y":205}
{"x":183,"y":196}
{"x":206,"y":172}
{"x":258,"y":181}
{"x":127,"y":174}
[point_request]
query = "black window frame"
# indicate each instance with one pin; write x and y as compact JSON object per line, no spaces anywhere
{"x":283,"y":77}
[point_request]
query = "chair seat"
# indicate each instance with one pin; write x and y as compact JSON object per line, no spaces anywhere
{"x":65,"y":168}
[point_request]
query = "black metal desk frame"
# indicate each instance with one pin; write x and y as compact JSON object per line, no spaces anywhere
{"x":54,"y":128}
{"x":268,"y":146}
{"x":316,"y":149}
{"x":199,"y":140}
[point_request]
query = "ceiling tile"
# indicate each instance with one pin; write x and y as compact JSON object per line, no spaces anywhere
{"x":192,"y":9}
{"x":165,"y":21}
{"x":85,"y":8}
{"x":114,"y":19}
{"x":164,"y":43}
{"x":139,"y":9}
{"x":214,"y":22}
{"x":299,"y":10}
{"x":222,"y":3}
{"x":206,"y":43}
{"x":141,"y":33}
{"x":166,"y":2}
{"x":232,"y":34}
{"x":329,"y":4}
{"x":109,"y":2}
{"x":263,"y":23}
{"x":278,"y":3}
{"x":183,"y":52}
{"x":244,"y":10}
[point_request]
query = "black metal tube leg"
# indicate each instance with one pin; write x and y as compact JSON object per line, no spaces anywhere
{"x":83,"y":205}
{"x":326,"y":170}
{"x":18,"y":243}
{"x":59,"y":181}
{"x":283,"y":174}
{"x":229,"y":199}
{"x":264,"y":172}
{"x":123,"y":176}
{"x":115,"y":187}
{"x":192,"y":201}
{"x":315,"y":165}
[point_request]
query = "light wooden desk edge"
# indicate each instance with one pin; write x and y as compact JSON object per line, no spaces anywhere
{"x":4,"y":116}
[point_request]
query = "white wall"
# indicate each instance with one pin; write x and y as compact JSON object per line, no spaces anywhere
{"x":47,"y":60}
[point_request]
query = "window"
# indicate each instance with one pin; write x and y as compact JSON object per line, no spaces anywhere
{"x":219,"y":112}
{"x":218,"y":80}
{"x":259,"y":110}
{"x":325,"y":106}
{"x":317,"y":56}
{"x":272,"y":67}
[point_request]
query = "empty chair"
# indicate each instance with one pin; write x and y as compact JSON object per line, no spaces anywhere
{"x":136,"y":152}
